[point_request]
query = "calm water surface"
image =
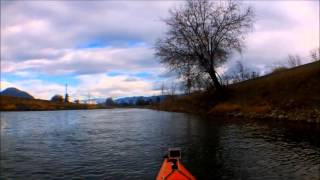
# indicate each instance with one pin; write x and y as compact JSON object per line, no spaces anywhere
{"x":130,"y":144}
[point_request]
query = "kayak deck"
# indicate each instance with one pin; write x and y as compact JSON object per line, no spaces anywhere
{"x":172,"y":169}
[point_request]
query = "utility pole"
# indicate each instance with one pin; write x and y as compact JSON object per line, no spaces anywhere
{"x":89,"y":98}
{"x":66,"y":97}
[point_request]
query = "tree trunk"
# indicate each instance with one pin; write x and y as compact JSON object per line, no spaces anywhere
{"x":215,"y":80}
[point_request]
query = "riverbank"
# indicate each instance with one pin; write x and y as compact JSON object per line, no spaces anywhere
{"x":8,"y":103}
{"x":292,"y":94}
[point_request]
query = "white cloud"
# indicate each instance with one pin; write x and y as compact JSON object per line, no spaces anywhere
{"x":281,"y":28}
{"x":101,"y":85}
{"x":36,"y":87}
{"x":32,"y":26}
{"x":90,"y":61}
{"x":43,"y":38}
{"x":5,"y":84}
{"x":97,"y":86}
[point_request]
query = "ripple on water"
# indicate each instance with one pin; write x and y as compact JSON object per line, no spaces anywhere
{"x":130,"y":144}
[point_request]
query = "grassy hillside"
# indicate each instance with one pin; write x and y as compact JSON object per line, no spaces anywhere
{"x":8,"y":103}
{"x":290,"y":94}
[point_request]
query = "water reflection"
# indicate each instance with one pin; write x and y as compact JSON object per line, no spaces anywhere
{"x":130,"y":144}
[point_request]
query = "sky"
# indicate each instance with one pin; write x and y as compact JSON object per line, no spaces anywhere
{"x":106,"y":48}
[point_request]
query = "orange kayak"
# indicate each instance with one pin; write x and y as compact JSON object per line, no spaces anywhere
{"x":172,"y":169}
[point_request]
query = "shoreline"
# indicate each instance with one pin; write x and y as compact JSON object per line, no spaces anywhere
{"x":292,"y":94}
{"x":274,"y":115}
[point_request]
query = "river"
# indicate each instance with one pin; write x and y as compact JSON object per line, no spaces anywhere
{"x":130,"y":144}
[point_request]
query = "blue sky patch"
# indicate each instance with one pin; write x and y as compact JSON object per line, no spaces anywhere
{"x":116,"y":43}
{"x":134,"y":43}
{"x":66,"y":79}
{"x":62,"y":79}
{"x":10,"y":77}
{"x":114,"y":73}
{"x":92,"y":44}
{"x":142,"y":74}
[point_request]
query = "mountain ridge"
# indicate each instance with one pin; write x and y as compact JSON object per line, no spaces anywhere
{"x":15,"y":92}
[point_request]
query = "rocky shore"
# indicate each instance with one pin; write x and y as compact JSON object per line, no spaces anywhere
{"x":310,"y":116}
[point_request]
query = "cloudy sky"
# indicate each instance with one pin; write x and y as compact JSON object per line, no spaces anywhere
{"x":105,"y":48}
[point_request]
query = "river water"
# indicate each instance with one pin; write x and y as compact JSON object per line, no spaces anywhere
{"x":130,"y":144}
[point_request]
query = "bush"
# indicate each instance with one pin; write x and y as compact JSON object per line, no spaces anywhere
{"x":279,"y":69}
{"x":57,"y":98}
{"x":225,"y":107}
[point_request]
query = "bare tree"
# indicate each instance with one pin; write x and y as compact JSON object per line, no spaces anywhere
{"x":240,"y":73}
{"x":173,"y":89}
{"x":192,"y":78}
{"x":315,"y":54}
{"x":226,"y":79}
{"x":294,"y":60}
{"x":163,"y":88}
{"x":243,"y":73}
{"x":254,"y":74}
{"x":203,"y":34}
{"x":186,"y":73}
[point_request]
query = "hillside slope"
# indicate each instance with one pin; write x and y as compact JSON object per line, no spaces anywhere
{"x":14,"y":92}
{"x":292,"y":94}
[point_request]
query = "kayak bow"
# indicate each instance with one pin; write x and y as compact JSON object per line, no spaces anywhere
{"x":172,"y":169}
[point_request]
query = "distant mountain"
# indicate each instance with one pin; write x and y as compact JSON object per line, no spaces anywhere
{"x":133,"y":100}
{"x":126,"y":100}
{"x":14,"y":92}
{"x":94,"y":101}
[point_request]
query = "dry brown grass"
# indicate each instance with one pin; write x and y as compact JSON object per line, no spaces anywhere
{"x":8,"y":103}
{"x":257,"y":109}
{"x":292,"y":88}
{"x":296,"y":88}
{"x":225,"y":107}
